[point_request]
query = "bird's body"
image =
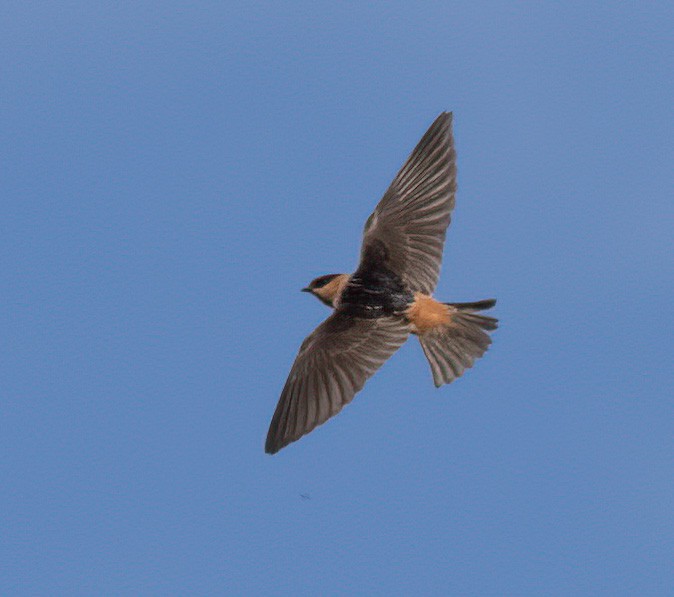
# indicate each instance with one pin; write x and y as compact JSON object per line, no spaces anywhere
{"x":387,"y":298}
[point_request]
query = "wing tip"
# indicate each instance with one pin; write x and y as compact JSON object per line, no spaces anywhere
{"x":271,"y":449}
{"x":445,"y":118}
{"x":272,"y":444}
{"x":441,"y":128}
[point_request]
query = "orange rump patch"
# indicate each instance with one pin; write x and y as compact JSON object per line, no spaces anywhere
{"x":426,"y":314}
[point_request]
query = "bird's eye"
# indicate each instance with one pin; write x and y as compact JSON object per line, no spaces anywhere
{"x":322,"y":281}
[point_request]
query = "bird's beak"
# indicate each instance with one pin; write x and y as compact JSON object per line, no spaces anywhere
{"x":306,"y":289}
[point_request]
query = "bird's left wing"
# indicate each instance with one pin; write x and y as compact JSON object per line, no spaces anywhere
{"x":333,"y":364}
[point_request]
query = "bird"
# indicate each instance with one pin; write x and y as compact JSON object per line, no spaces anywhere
{"x":387,"y":299}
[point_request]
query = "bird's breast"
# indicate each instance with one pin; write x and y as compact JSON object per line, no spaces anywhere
{"x":374,"y":294}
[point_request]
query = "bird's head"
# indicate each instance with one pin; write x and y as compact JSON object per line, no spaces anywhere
{"x":327,"y":288}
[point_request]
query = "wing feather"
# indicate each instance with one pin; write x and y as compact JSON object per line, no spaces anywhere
{"x":412,"y":217}
{"x":333,"y":364}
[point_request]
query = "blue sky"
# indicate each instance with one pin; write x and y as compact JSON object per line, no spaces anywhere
{"x":173,"y":174}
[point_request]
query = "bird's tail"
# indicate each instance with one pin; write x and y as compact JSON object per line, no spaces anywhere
{"x":454,"y":347}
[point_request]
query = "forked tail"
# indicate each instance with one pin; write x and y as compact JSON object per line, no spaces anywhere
{"x":454,"y":347}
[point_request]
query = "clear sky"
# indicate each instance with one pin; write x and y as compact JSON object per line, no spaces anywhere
{"x":173,"y":173}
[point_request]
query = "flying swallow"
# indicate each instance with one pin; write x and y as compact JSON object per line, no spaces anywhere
{"x":387,"y":298}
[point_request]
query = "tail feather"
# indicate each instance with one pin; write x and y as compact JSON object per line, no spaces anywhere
{"x":453,"y":348}
{"x":482,"y":305}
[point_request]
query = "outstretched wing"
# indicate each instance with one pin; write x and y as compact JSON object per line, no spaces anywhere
{"x":333,"y":364}
{"x":407,"y":228}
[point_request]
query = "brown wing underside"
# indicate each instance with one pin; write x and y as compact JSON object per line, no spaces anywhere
{"x":332,"y":365}
{"x":412,"y":217}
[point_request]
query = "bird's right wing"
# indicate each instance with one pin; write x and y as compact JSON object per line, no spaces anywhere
{"x":333,"y":364}
{"x":406,"y":231}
